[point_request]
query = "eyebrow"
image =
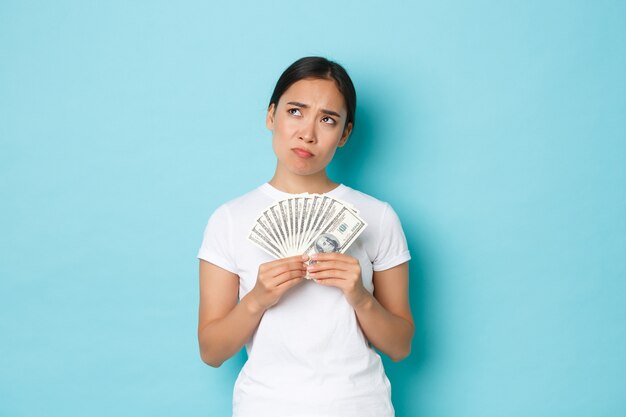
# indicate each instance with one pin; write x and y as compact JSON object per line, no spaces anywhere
{"x":306,"y":106}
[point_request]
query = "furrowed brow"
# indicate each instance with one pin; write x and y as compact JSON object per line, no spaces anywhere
{"x":306,"y":106}
{"x":331,"y":113}
{"x":298,"y":104}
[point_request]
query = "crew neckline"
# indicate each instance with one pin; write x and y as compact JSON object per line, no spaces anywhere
{"x":278,"y":194}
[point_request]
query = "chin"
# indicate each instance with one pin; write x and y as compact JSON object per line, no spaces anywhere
{"x":304,"y":173}
{"x":303,"y":168}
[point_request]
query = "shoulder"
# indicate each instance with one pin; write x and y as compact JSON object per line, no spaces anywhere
{"x":244,"y":205}
{"x":369,"y":206}
{"x":228,"y":226}
{"x":383,"y":238}
{"x":351,"y":194}
{"x":379,"y":215}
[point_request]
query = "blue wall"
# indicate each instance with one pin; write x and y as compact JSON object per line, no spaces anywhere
{"x":496,"y":130}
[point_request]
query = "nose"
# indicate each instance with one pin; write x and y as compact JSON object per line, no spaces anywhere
{"x":307,"y":131}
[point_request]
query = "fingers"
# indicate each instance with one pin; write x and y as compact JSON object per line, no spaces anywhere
{"x":277,"y":272}
{"x":330,"y":282}
{"x":292,"y":282}
{"x":273,"y":264}
{"x":335,"y":269}
{"x":276,"y":277}
{"x":286,"y":271}
{"x":326,"y":265}
{"x":334,"y":256}
{"x":279,"y":280}
{"x":284,"y":267}
{"x":336,"y":263}
{"x":335,"y":274}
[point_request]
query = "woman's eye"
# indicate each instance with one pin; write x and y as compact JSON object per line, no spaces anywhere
{"x":328,"y":120}
{"x":294,"y":112}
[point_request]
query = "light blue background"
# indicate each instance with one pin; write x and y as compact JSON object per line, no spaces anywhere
{"x":497,"y":130}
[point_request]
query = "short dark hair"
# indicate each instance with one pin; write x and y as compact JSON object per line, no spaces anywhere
{"x":321,"y":68}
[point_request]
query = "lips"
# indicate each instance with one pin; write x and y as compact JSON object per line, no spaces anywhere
{"x":302,"y":153}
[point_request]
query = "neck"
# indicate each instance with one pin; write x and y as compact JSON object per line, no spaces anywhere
{"x":318,"y":183}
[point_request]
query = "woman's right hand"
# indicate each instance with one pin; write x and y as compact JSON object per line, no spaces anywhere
{"x":275,"y":278}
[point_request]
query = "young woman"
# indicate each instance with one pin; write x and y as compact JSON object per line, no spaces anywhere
{"x":309,"y":341}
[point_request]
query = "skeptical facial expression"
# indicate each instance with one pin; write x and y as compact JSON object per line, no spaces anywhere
{"x":308,"y":125}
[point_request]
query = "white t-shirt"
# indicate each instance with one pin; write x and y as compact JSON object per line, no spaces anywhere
{"x":308,"y":357}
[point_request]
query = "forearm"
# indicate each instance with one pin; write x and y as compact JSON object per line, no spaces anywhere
{"x":222,"y":338}
{"x":389,"y":333}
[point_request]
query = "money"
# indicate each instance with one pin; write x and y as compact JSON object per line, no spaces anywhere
{"x":306,"y":224}
{"x":338,"y":234}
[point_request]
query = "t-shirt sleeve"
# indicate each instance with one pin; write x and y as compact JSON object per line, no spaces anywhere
{"x":392,"y":249}
{"x":217,"y":245}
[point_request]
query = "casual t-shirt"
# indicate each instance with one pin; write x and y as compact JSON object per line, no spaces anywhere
{"x":308,"y":356}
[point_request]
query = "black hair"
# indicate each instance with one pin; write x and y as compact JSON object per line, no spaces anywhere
{"x":321,"y":68}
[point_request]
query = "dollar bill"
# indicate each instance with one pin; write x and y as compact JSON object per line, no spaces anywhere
{"x":306,"y":223}
{"x":262,"y":240}
{"x":339,"y":234}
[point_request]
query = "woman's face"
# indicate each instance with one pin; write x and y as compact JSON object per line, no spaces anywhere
{"x":308,"y":125}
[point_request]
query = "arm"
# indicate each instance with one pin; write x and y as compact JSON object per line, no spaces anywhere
{"x":385,"y":317}
{"x":224,"y":325}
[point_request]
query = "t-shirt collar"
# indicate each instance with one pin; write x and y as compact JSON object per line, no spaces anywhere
{"x":275,"y":193}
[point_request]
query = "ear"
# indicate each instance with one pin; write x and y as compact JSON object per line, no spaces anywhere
{"x":346,"y":134}
{"x":269,"y":118}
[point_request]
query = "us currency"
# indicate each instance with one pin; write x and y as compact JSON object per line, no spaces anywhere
{"x":339,"y":234}
{"x":278,"y":226}
{"x":300,"y":214}
{"x":258,"y":236}
{"x":319,"y":203}
{"x":267,"y":223}
{"x":306,"y":223}
{"x":327,"y":214}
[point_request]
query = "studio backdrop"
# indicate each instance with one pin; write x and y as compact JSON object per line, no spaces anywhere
{"x":495,"y":129}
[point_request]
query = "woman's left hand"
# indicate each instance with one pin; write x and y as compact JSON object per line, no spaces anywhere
{"x":341,"y":271}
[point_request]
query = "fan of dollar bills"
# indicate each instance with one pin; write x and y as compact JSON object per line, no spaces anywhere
{"x":306,"y":224}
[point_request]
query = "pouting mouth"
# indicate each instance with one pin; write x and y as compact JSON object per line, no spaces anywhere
{"x":302,"y":152}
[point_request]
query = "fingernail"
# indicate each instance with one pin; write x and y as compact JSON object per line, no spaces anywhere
{"x":305,"y":257}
